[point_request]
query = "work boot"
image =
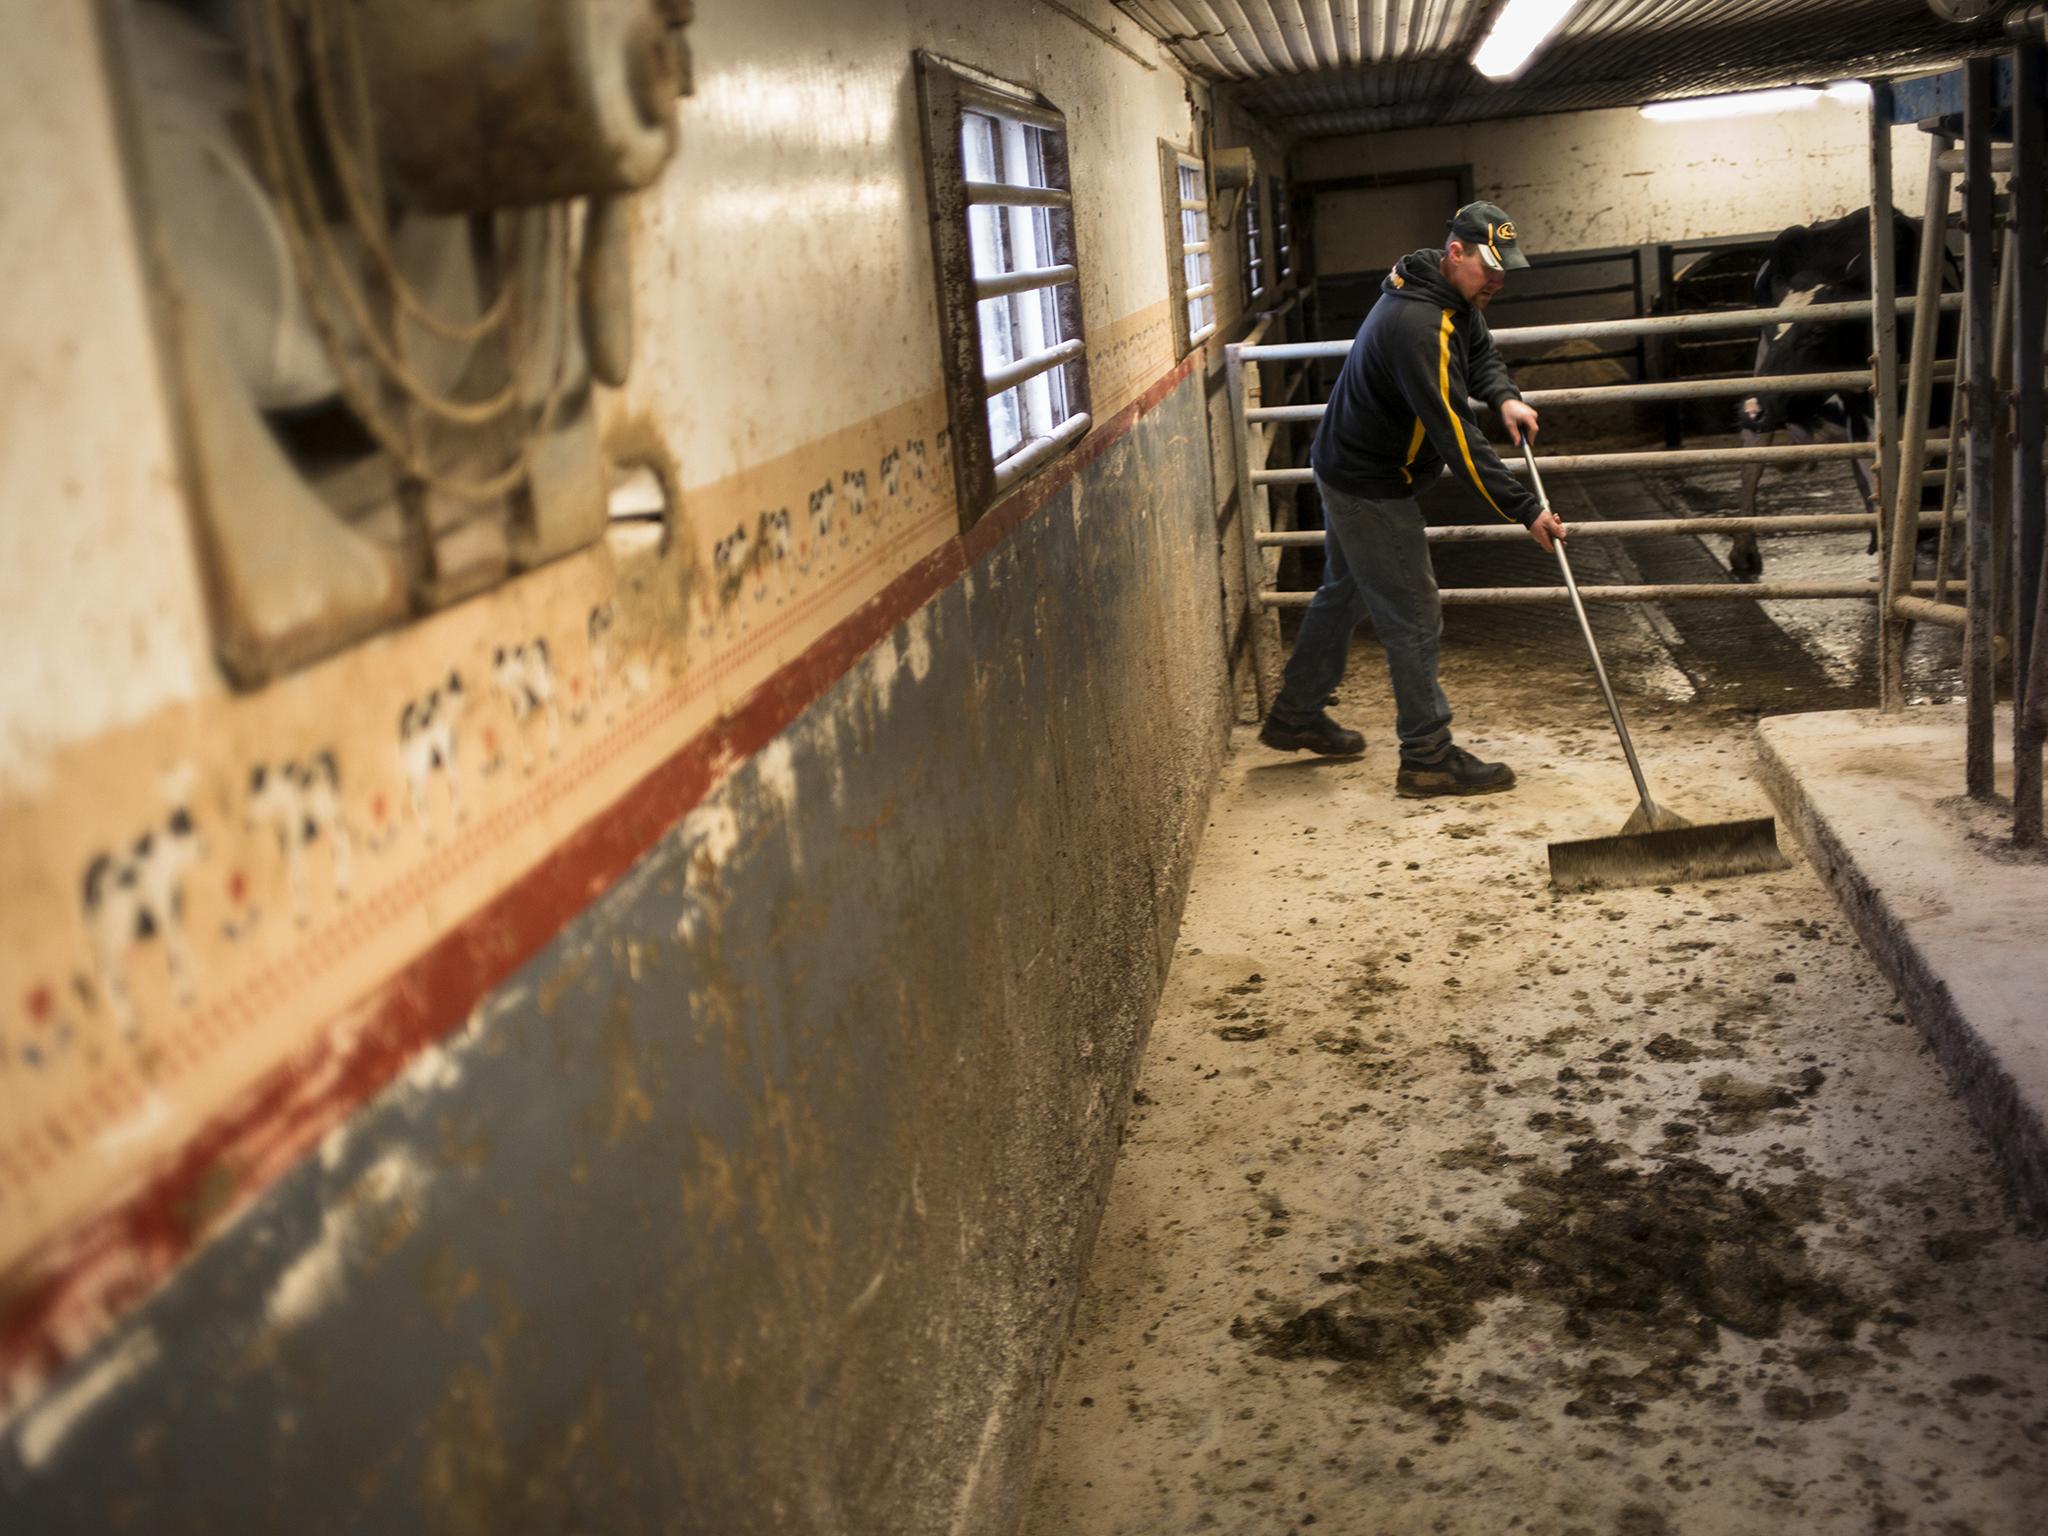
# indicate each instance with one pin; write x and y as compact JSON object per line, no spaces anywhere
{"x":1322,"y":735}
{"x":1458,"y":772}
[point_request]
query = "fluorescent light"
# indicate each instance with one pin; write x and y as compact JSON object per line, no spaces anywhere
{"x":1852,"y":93}
{"x":1746,"y":104}
{"x":1519,"y":30}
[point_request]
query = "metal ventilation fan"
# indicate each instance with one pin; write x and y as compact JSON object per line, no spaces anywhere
{"x":396,"y":253}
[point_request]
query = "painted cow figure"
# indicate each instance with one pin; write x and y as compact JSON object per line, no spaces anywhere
{"x":1825,"y":263}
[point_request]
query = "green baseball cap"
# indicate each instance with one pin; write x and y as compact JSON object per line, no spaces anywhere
{"x":1489,"y":231}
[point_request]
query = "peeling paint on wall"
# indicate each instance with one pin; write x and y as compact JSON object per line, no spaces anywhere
{"x":42,"y":1432}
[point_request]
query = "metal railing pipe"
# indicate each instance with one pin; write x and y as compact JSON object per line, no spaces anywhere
{"x":2030,"y":420}
{"x":1759,"y":591}
{"x":1666,"y":389}
{"x":1661,"y":458}
{"x":1039,"y":450}
{"x":1979,"y":666}
{"x":1648,"y":527}
{"x":1023,"y":281}
{"x":1645,"y":325}
{"x":1929,"y":610}
{"x":1013,"y":374}
{"x":1950,"y":161}
{"x":1905,"y":493}
{"x":1005,"y":194}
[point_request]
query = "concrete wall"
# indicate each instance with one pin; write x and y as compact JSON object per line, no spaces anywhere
{"x":701,"y":1125}
{"x":754,"y":1202}
{"x":1583,"y":180}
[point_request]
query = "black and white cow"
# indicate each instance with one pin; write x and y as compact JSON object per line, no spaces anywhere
{"x":732,"y":558}
{"x":427,"y":744}
{"x":524,"y":677}
{"x":1825,"y":263}
{"x":135,"y":894}
{"x":300,"y":800}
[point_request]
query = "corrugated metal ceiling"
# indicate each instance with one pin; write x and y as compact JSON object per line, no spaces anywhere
{"x":1311,"y":68}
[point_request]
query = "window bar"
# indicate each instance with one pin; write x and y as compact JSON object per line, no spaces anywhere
{"x":1023,"y":281}
{"x":1030,"y":367}
{"x":1198,"y":337}
{"x":1201,"y":291}
{"x":1040,"y":449}
{"x":989,"y":104}
{"x":1009,"y":194}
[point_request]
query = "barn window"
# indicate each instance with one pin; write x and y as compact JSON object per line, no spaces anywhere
{"x":1191,"y":274}
{"x":1254,"y":258}
{"x":1009,"y":280}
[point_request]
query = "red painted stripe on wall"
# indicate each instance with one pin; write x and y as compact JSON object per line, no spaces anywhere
{"x":55,"y":1306}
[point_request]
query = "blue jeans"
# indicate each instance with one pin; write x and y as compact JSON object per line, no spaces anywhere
{"x":1376,"y":562}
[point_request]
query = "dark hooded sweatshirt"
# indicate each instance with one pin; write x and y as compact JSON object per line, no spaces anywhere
{"x":1399,"y":412}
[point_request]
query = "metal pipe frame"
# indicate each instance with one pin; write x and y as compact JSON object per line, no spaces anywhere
{"x":1030,"y":367}
{"x":1951,"y":474}
{"x":1905,"y":492}
{"x":1648,"y":527}
{"x":1979,"y":666}
{"x":1023,"y":280}
{"x":1950,"y":161}
{"x":2029,"y":287}
{"x":1041,"y":450}
{"x":1254,"y":515}
{"x":1622,"y":394}
{"x":1699,"y":591}
{"x":1643,"y":325}
{"x":1004,"y":194}
{"x":1659,"y":458}
{"x":1884,"y":351}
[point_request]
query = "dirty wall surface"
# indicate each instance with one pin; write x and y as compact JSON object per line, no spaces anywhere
{"x":754,"y":1202}
{"x":1583,"y":180}
{"x":274,"y":1220}
{"x":1451,"y":1204}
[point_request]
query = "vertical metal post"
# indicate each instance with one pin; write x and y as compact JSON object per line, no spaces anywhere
{"x":1884,"y":329}
{"x":1951,"y":465}
{"x":2028,"y":285}
{"x":1912,"y":455}
{"x":1252,"y":520}
{"x":1979,"y":676}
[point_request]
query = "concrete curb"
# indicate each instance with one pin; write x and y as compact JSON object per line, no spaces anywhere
{"x":2007,"y":1115}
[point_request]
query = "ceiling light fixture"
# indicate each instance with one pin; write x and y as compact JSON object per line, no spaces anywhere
{"x":1851,"y":93}
{"x":1744,"y":104}
{"x":1518,"y":31}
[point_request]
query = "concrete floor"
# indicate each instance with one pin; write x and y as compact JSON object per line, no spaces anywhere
{"x":1451,"y":1205}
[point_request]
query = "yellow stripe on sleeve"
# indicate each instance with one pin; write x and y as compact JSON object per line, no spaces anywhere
{"x":1414,"y":447}
{"x":1443,"y":384}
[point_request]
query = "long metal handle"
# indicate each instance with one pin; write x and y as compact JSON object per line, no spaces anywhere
{"x":1564,"y":565}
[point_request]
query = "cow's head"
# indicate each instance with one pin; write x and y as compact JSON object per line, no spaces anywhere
{"x":1808,"y":265}
{"x":1806,"y":268}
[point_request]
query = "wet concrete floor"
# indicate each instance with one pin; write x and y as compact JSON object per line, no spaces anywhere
{"x":1448,"y":1204}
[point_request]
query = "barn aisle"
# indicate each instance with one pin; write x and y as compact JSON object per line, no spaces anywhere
{"x":1451,"y":1205}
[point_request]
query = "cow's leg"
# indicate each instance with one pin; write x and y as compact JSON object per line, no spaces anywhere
{"x":112,"y":928}
{"x":291,"y":835}
{"x":1745,"y":560}
{"x":450,"y":773}
{"x":418,"y":768}
{"x":176,"y":954}
{"x":341,"y":849}
{"x":1866,"y":490}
